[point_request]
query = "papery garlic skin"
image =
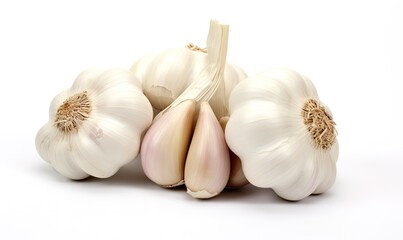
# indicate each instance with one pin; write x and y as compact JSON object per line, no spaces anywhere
{"x":166,"y":75}
{"x":165,"y":145}
{"x":207,"y":166}
{"x":100,"y":135}
{"x":268,"y":131}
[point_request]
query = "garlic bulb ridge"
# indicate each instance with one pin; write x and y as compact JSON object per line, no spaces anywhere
{"x":94,"y":127}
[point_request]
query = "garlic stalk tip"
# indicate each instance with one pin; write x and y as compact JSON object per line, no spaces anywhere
{"x":210,"y":79}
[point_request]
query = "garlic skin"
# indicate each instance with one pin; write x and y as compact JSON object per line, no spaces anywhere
{"x":284,"y":135}
{"x":237,"y":178}
{"x":166,"y":75}
{"x":165,"y":145}
{"x":95,"y":127}
{"x":207,"y":166}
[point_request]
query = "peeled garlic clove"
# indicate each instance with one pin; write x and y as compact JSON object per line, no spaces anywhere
{"x":236,"y":178}
{"x":208,"y":163}
{"x":165,"y":145}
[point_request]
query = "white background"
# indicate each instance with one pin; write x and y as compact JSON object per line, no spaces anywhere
{"x":351,"y":50}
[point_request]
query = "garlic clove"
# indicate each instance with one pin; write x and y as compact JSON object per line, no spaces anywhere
{"x":55,"y":151}
{"x":316,"y":177}
{"x":236,"y":177}
{"x":166,"y":143}
{"x":301,"y":187}
{"x":208,"y":162}
{"x":328,"y":172}
{"x":90,"y":145}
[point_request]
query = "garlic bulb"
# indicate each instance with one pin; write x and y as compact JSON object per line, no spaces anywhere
{"x":207,"y":166}
{"x":95,"y":127}
{"x":166,"y":75}
{"x":284,"y":135}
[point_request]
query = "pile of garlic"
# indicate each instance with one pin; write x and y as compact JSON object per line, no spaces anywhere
{"x":174,"y":151}
{"x":279,"y":134}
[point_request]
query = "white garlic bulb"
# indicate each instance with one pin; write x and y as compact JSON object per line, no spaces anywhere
{"x":95,"y":127}
{"x":166,"y":75}
{"x":284,"y":135}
